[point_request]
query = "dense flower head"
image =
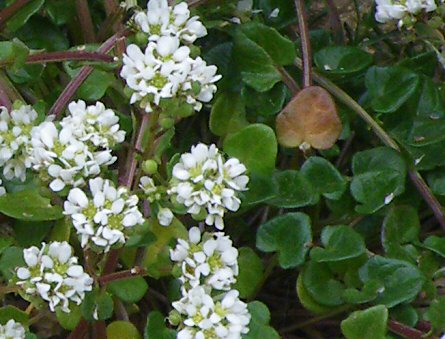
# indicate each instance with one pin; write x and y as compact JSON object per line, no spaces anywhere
{"x":104,"y":216}
{"x":52,"y":273}
{"x":389,"y":10}
{"x":165,"y":70}
{"x":15,"y":140}
{"x":207,"y":184}
{"x":95,"y":124}
{"x":160,"y":20}
{"x":209,"y":259}
{"x":224,"y":316}
{"x":64,"y":160}
{"x":12,"y":330}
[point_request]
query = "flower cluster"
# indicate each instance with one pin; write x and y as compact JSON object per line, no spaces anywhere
{"x":402,"y":10}
{"x":209,"y":308}
{"x":164,"y":68}
{"x":12,"y":330}
{"x":211,"y":260}
{"x":207,"y":185}
{"x":15,"y":140}
{"x":67,"y":154}
{"x":52,"y":273}
{"x":224,"y":316}
{"x":104,"y":217}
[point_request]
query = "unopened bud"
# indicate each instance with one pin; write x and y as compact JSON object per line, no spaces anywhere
{"x":150,"y":167}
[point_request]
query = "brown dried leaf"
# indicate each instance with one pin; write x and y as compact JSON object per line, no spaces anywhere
{"x":309,"y":118}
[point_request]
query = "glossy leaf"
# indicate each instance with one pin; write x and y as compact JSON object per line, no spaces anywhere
{"x":250,"y":272}
{"x":342,"y":60}
{"x":122,"y":329}
{"x":129,"y":290}
{"x":367,"y":324}
{"x":156,"y":329}
{"x":289,"y":235}
{"x":228,"y":114}
{"x":259,"y":323}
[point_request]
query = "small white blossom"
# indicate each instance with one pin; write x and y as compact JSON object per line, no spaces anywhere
{"x":104,"y":217}
{"x":52,"y":273}
{"x":64,"y":160}
{"x":151,"y":192}
{"x":224,"y":316}
{"x":95,"y":124}
{"x":15,"y":137}
{"x":210,"y":260}
{"x":160,"y":20}
{"x":12,"y":330}
{"x":165,"y":216}
{"x":206,"y":184}
{"x":389,"y":10}
{"x":2,"y":189}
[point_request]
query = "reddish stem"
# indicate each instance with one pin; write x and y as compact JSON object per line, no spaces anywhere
{"x":80,"y":331}
{"x":305,"y":43}
{"x":406,"y":331}
{"x":100,"y":330}
{"x":106,"y":279}
{"x":4,"y":99}
{"x":8,"y":12}
{"x":61,"y":56}
{"x":84,"y":72}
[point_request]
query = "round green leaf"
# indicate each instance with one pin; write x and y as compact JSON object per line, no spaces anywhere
{"x":29,"y":205}
{"x":307,"y":301}
{"x":266,"y":103}
{"x":255,"y":146}
{"x":289,"y":235}
{"x":97,"y":305}
{"x":250,"y":272}
{"x":401,"y":280}
{"x":401,"y":226}
{"x":10,"y":312}
{"x":435,"y":244}
{"x":342,"y":60}
{"x":340,"y":243}
{"x":367,"y":324}
{"x":321,"y":285}
{"x":390,"y":87}
{"x":130,"y":290}
{"x":228,"y":114}
{"x":293,"y":190}
{"x":122,"y":329}
{"x":70,"y":320}
{"x":324,"y":177}
{"x":435,"y":313}
{"x":11,"y":258}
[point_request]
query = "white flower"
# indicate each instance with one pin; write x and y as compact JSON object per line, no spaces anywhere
{"x":388,"y":10}
{"x":204,"y":183}
{"x":94,"y":123}
{"x":2,"y":189}
{"x":165,"y":70}
{"x":165,"y":216}
{"x":15,"y":131}
{"x":162,"y":20}
{"x":211,"y":260}
{"x":63,"y":159}
{"x":52,"y":273}
{"x":104,"y":217}
{"x":12,"y":330}
{"x":205,"y":317}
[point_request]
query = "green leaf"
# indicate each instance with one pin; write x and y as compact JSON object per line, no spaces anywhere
{"x":379,"y":176}
{"x":11,"y":258}
{"x":342,"y":60}
{"x":307,"y":301}
{"x":390,"y":87}
{"x":340,"y":243}
{"x":430,"y":101}
{"x":426,"y":131}
{"x":401,"y":226}
{"x":259,"y":323}
{"x":279,"y":48}
{"x":41,"y":33}
{"x":29,"y":205}
{"x":435,"y":313}
{"x":293,"y":190}
{"x":10,"y":312}
{"x":156,"y":329}
{"x":369,"y":292}
{"x":266,"y":103}
{"x":367,"y":324}
{"x":321,"y":284}
{"x":401,"y":280}
{"x":258,"y":72}
{"x":122,"y":329}
{"x":29,"y":233}
{"x":260,"y":156}
{"x":289,"y":235}
{"x":261,"y":189}
{"x":14,"y":52}
{"x":284,"y":17}
{"x":228,"y":114}
{"x":405,"y":314}
{"x":435,"y":244}
{"x":324,"y":177}
{"x":70,"y":320}
{"x":97,"y":305}
{"x":23,"y":15}
{"x":95,"y":86}
{"x":250,"y":272}
{"x":130,"y":290}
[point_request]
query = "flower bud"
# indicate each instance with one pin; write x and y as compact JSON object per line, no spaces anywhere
{"x":150,"y":166}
